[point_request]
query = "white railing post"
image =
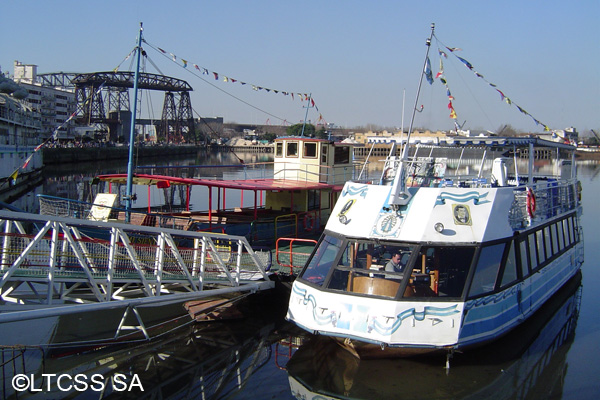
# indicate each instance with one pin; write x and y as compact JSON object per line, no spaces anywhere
{"x":238,"y":263}
{"x":52,"y":262}
{"x":6,"y":244}
{"x":158,"y":263}
{"x":202,"y":264}
{"x":114,"y":235}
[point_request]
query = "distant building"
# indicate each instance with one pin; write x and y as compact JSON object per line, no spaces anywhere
{"x":55,"y":105}
{"x":386,"y":137}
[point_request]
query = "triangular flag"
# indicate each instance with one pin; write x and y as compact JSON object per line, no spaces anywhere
{"x":468,"y":64}
{"x":13,"y":176}
{"x":27,"y":161}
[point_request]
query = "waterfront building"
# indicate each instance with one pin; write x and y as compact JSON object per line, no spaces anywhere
{"x":54,"y":104}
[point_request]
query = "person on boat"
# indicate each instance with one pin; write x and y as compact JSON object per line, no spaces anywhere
{"x":394,"y":264}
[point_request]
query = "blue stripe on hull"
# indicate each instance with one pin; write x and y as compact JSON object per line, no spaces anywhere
{"x":490,"y":316}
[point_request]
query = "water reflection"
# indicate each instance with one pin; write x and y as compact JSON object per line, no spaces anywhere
{"x":74,"y":181}
{"x":529,"y":362}
{"x":204,"y":360}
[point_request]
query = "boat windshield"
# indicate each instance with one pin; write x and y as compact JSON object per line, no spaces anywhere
{"x":389,"y":269}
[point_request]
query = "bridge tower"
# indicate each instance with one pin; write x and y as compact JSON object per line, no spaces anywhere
{"x":95,"y":91}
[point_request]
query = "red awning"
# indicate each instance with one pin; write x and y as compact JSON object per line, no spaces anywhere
{"x":245,"y":184}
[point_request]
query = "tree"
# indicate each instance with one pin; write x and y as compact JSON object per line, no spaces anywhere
{"x":296,"y":130}
{"x":507,"y":130}
{"x":322,"y":134}
{"x":269,"y":136}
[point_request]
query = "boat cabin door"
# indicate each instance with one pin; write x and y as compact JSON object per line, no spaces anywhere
{"x":324,"y":164}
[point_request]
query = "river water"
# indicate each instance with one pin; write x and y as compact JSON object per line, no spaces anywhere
{"x":553,"y":356}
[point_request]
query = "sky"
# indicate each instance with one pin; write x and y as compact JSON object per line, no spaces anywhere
{"x":360,"y":61}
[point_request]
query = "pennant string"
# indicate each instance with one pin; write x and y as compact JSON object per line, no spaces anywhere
{"x":470,"y":66}
{"x":205,"y":71}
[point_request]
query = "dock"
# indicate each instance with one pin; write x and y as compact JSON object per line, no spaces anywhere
{"x":52,"y":267}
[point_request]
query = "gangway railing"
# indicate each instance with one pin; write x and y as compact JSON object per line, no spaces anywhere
{"x":66,"y":264}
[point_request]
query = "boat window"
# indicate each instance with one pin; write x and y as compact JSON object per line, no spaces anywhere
{"x":541,"y":250}
{"x":532,"y":251}
{"x":524,"y":258}
{"x":314,"y":197}
{"x":548,"y":241}
{"x":486,"y":272}
{"x":571,"y":230}
{"x":322,"y":260}
{"x":291,"y":149}
{"x":575,"y":230}
{"x":568,"y":237}
{"x":440,"y":271}
{"x":370,"y":268}
{"x":324,"y":154}
{"x":379,"y":269}
{"x":279,"y":149}
{"x":342,"y":155}
{"x":554,"y":233}
{"x":560,"y":235}
{"x":310,"y":150}
{"x":510,"y":269}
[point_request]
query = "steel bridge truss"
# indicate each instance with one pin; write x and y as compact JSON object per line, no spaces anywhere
{"x":52,"y":261}
{"x":93,"y":91}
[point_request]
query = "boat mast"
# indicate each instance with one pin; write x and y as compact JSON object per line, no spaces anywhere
{"x":129,"y":195}
{"x":399,"y":196}
{"x":306,"y":115}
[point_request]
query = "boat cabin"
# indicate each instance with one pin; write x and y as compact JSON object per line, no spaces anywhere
{"x":313,"y":160}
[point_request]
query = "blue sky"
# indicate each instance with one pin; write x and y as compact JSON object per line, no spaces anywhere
{"x":357,"y":58}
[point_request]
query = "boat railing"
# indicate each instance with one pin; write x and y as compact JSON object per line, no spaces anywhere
{"x":337,"y":174}
{"x":293,"y":253}
{"x":544,"y":200}
{"x":49,"y":260}
{"x":334,"y":175}
{"x":69,"y":208}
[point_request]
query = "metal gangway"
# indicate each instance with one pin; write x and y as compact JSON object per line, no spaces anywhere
{"x":55,"y":266}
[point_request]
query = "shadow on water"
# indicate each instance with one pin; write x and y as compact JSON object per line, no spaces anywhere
{"x":203,"y":360}
{"x":530,"y":362}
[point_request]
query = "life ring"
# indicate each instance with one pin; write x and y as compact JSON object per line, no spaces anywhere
{"x":388,"y":173}
{"x":309,"y":222}
{"x":530,"y":203}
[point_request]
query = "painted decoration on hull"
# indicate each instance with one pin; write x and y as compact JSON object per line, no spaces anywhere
{"x":364,"y":319}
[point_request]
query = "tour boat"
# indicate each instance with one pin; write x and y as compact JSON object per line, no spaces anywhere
{"x":452,"y":251}
{"x":292,"y":196}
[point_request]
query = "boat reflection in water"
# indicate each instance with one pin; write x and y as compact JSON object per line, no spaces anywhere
{"x":204,"y":360}
{"x":529,"y":362}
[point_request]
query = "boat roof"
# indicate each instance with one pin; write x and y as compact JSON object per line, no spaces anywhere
{"x":241,"y":184}
{"x":490,"y":141}
{"x":312,"y":139}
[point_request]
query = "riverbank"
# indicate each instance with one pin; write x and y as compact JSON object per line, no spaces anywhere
{"x":62,"y":155}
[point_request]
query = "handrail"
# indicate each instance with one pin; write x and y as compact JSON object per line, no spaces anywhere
{"x":106,"y":259}
{"x":290,"y":252}
{"x":291,"y":216}
{"x":85,"y":208}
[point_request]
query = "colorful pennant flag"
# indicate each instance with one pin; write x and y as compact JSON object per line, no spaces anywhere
{"x":503,"y":97}
{"x":205,"y":71}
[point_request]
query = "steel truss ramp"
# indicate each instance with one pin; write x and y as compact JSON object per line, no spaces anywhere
{"x":58,"y":266}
